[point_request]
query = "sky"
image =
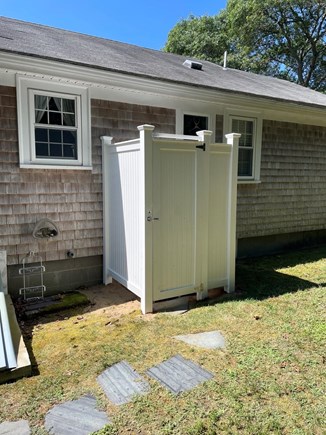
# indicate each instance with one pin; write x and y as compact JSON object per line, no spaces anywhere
{"x":141,"y":22}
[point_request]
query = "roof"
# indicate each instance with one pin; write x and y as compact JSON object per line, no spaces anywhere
{"x":45,"y":42}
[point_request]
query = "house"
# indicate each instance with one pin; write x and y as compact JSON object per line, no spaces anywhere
{"x":60,"y":92}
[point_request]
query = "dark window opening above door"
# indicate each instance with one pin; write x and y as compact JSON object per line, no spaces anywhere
{"x":194,"y":123}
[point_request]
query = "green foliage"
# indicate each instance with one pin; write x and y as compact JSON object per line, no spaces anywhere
{"x":201,"y":37}
{"x":283,"y":38}
{"x":68,"y":300}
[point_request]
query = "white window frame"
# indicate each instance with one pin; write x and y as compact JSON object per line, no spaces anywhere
{"x":26,"y":89}
{"x":180,"y":119}
{"x":256,"y":118}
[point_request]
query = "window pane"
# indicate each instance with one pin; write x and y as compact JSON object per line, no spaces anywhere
{"x":69,"y":137}
{"x":249,"y":127}
{"x":68,"y":105}
{"x":235,"y":126}
{"x":247,"y":140}
{"x":69,"y":151}
{"x":245,"y":162}
{"x":55,"y":118}
{"x":41,"y":117}
{"x":193,"y":123}
{"x":41,"y":149}
{"x":55,"y":104}
{"x":55,"y":136}
{"x":55,"y":150}
{"x":41,"y":135}
{"x":69,"y":119}
{"x":41,"y":102}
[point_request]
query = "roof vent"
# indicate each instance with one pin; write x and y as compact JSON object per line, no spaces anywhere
{"x":193,"y":64}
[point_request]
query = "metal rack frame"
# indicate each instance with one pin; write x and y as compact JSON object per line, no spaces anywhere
{"x":35,"y":270}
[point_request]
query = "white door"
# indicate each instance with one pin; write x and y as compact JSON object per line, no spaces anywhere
{"x":174,"y":219}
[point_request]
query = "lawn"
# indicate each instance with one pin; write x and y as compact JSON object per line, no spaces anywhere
{"x":269,"y":380}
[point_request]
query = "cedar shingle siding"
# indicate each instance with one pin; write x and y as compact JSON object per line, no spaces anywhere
{"x":292,"y":194}
{"x":290,"y":198}
{"x":72,"y":199}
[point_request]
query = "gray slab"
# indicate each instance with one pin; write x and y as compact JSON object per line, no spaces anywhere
{"x":205,"y":340}
{"x":77,"y":417}
{"x":172,"y":306}
{"x":121,"y":383}
{"x":20,"y":427}
{"x":178,"y":374}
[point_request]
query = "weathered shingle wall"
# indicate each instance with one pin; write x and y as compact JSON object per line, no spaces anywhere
{"x":219,"y":129}
{"x":72,"y":199}
{"x":292,"y":194}
{"x":290,"y":198}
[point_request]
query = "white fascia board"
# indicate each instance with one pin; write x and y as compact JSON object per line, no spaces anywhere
{"x":132,"y":88}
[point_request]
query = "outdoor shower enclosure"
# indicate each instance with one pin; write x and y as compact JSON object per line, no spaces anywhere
{"x":169,"y":214}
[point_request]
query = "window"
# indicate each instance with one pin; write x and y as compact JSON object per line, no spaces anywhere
{"x":55,"y":127}
{"x":246,"y":145}
{"x":250,"y":129}
{"x":194,"y":123}
{"x":53,"y":122}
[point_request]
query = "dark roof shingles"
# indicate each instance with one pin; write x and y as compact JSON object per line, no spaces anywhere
{"x":66,"y":46}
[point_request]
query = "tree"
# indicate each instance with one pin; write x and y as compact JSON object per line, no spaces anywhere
{"x":201,"y":37}
{"x":283,"y":38}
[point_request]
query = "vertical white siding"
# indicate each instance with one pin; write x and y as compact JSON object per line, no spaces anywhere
{"x":217,"y":219}
{"x":175,"y":205}
{"x":125,"y":211}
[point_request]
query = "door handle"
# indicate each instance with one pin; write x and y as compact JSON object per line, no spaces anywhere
{"x":149,"y":219}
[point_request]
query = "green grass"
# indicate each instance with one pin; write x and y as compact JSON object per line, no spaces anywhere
{"x":269,"y":380}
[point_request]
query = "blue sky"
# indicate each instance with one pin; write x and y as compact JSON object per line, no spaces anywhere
{"x":144,"y":22}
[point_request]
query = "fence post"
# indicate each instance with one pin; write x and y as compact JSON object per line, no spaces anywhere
{"x":202,"y":235}
{"x":146,"y":144}
{"x":233,"y":140}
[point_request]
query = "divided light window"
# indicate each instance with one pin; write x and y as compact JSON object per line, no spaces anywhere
{"x":55,"y":127}
{"x":246,"y":127}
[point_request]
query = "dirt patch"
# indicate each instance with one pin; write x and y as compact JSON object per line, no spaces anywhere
{"x":112,"y":299}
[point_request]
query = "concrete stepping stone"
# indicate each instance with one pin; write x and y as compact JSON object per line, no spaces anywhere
{"x":77,"y":417}
{"x":20,"y":427}
{"x":178,"y":374}
{"x":205,"y":340}
{"x":121,"y":383}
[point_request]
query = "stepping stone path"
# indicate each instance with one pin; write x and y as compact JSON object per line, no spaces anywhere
{"x":77,"y":417}
{"x":178,"y":374}
{"x":205,"y":340}
{"x":20,"y":427}
{"x":121,"y":383}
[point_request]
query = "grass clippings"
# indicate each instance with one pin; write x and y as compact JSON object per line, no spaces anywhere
{"x":269,"y":380}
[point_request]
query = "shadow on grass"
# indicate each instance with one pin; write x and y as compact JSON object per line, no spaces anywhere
{"x":260,"y":278}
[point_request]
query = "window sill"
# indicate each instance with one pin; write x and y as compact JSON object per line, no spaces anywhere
{"x":63,"y":167}
{"x":249,"y":181}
